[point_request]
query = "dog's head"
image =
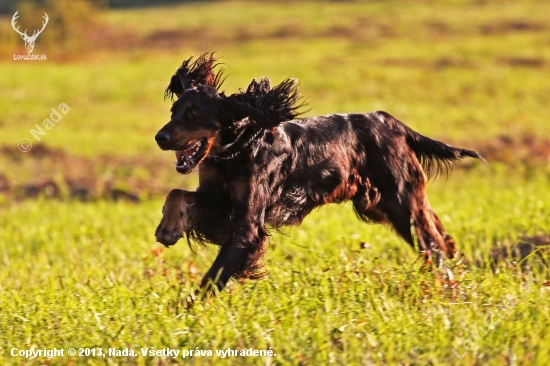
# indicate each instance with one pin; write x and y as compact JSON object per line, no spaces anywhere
{"x":201,"y":113}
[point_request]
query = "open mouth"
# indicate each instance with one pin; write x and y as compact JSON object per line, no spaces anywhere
{"x":187,"y":159}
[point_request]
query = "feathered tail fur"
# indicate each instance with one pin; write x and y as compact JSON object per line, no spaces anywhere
{"x":435,"y":157}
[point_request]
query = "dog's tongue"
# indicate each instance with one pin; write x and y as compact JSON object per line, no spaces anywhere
{"x":186,"y":153}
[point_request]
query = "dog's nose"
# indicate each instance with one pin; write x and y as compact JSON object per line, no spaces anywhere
{"x":162,"y":137}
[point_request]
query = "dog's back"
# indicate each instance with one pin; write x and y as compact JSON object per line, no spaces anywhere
{"x":374,"y":160}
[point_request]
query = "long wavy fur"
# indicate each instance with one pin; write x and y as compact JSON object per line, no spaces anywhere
{"x":195,"y":72}
{"x":273,"y":105}
{"x":436,"y":158}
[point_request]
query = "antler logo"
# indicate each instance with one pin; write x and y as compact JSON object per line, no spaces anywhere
{"x":29,"y":40}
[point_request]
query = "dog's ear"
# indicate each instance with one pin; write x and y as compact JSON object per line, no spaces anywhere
{"x":266,"y":106}
{"x":255,"y":93}
{"x":282,"y":102}
{"x":237,"y":107}
{"x":194,"y":73}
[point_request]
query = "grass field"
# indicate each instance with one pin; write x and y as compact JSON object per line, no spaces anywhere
{"x":89,"y":274}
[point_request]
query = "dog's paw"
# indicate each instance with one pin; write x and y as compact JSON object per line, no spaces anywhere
{"x":451,"y":246}
{"x":174,"y":216}
{"x":168,"y":236}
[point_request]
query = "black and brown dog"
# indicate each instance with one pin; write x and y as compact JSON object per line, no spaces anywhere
{"x":259,"y":165}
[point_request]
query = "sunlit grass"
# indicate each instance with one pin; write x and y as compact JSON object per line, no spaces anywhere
{"x":91,"y":275}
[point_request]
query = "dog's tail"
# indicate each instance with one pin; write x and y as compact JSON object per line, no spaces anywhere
{"x":435,"y":157}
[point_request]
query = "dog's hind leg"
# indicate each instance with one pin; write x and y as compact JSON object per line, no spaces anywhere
{"x":431,"y":234}
{"x":429,"y":229}
{"x":369,"y":205}
{"x":450,"y":245}
{"x":400,"y":218}
{"x":396,"y":209}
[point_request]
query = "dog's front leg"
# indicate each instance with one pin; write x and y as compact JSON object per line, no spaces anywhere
{"x":203,"y":215}
{"x":175,"y":215}
{"x":240,"y":255}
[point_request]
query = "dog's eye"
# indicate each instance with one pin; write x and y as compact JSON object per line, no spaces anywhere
{"x":194,"y":112}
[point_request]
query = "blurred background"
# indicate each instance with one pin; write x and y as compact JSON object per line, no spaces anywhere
{"x":471,"y":73}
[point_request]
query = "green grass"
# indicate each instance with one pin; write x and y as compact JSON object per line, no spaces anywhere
{"x":91,"y":275}
{"x":441,"y":69}
{"x":82,"y":275}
